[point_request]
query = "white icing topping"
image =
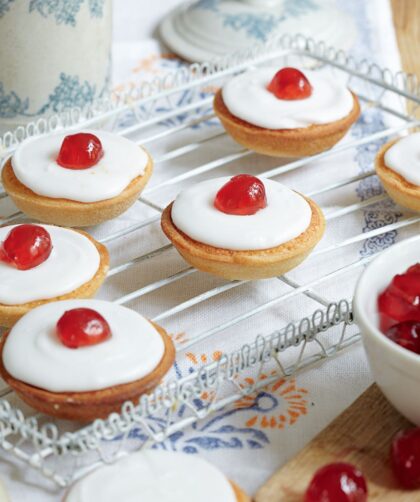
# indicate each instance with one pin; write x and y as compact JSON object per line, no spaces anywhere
{"x":34,"y":164}
{"x":246,"y":96}
{"x":404,"y":158}
{"x":286,"y":216}
{"x":73,"y":261}
{"x":155,"y":476}
{"x":34,"y":354}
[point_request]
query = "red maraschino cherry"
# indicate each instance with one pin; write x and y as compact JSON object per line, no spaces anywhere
{"x":406,"y":334}
{"x":290,"y":84}
{"x":400,"y":302}
{"x":81,"y":327}
{"x":80,"y":151}
{"x":241,"y":195}
{"x":338,"y":482}
{"x":405,"y":458}
{"x":26,"y":246}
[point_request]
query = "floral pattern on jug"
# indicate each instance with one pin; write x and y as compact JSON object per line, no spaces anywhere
{"x":74,"y":74}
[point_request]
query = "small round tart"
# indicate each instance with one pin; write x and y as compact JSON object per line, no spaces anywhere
{"x":265,"y":244}
{"x":45,"y":190}
{"x":259,"y":120}
{"x":76,"y":268}
{"x":157,"y":475}
{"x":398,"y":166}
{"x":87,"y":382}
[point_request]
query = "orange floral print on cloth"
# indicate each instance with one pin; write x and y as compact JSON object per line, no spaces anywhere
{"x":293,"y":403}
{"x":247,"y":424}
{"x":196,"y":360}
{"x":150,"y":68}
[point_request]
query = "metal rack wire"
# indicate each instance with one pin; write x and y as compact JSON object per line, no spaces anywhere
{"x":326,"y":329}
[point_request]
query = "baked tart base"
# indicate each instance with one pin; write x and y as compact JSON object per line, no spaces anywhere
{"x":398,"y":188}
{"x":246,"y":265}
{"x":241,"y":496}
{"x":87,"y":406}
{"x":300,"y":142}
{"x":70,"y":213}
{"x":10,"y":314}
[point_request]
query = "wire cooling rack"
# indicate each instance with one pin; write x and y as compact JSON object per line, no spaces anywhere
{"x":181,"y":100}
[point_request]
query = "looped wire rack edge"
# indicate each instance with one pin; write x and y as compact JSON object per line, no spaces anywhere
{"x":37,"y":441}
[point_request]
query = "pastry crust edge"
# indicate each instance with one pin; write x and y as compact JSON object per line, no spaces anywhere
{"x":246,"y":265}
{"x":299,"y":142}
{"x":70,"y":213}
{"x":10,"y":314}
{"x":89,"y":405}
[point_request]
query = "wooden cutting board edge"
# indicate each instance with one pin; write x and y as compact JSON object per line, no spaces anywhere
{"x":361,"y":435}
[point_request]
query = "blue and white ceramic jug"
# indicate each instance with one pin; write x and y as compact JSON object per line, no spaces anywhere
{"x":54,"y":54}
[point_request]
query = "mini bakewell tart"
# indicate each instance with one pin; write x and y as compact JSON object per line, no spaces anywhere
{"x":77,"y":180}
{"x":286,"y":113}
{"x":157,"y":475}
{"x":82,"y":359}
{"x":398,"y":166}
{"x":43,"y":263}
{"x":243,"y":228}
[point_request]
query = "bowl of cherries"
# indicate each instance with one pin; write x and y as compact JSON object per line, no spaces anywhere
{"x":387,"y":309}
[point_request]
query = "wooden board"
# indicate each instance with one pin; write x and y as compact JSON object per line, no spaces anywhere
{"x":406,"y":15}
{"x":362,"y":436}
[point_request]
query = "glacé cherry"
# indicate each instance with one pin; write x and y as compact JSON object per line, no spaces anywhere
{"x":337,"y":482}
{"x":26,"y":246}
{"x":399,"y":309}
{"x":290,"y":84}
{"x":80,"y":151}
{"x":406,"y":334}
{"x":80,"y":327}
{"x":241,"y":195}
{"x":405,"y":458}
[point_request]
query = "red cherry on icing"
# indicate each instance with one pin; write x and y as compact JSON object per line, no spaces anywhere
{"x":338,"y":482}
{"x":290,"y":84}
{"x":406,"y":334}
{"x":81,"y":327}
{"x":80,"y":151}
{"x":405,"y":458}
{"x":241,"y":195}
{"x":26,"y":246}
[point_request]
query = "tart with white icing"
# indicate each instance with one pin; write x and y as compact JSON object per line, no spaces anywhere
{"x":82,"y":359}
{"x":243,"y":228}
{"x":398,"y":166}
{"x":44,"y":263}
{"x":286,"y":113}
{"x":157,"y":476}
{"x":76,"y":180}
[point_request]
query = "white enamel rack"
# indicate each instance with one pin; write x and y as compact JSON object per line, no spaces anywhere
{"x":326,"y":329}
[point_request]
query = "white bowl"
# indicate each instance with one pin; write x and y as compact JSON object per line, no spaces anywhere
{"x":395,"y":369}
